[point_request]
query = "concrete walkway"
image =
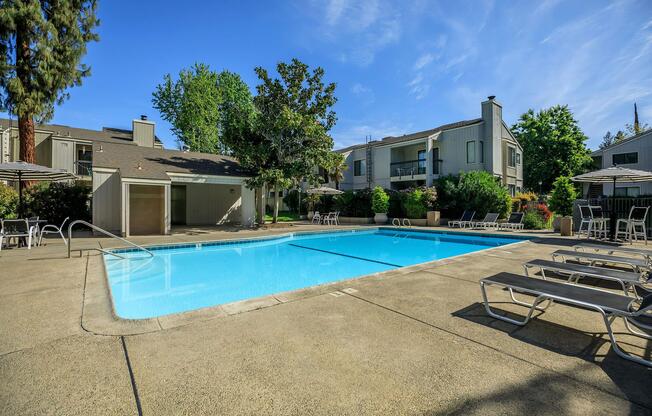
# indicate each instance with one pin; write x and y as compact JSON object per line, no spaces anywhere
{"x":413,"y":341}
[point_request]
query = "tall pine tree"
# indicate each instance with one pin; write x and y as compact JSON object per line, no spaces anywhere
{"x":41,"y":44}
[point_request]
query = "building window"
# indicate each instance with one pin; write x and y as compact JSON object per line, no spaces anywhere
{"x":512,"y":189}
{"x":435,"y":161}
{"x":632,"y":191}
{"x":518,"y":158}
{"x":511,"y":157}
{"x":359,"y":167}
{"x":625,"y":158}
{"x":481,"y":151}
{"x":421,"y":157}
{"x":470,"y":152}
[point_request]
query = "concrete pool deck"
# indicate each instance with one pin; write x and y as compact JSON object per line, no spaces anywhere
{"x":410,"y":341}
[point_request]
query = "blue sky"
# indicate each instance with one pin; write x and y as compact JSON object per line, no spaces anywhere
{"x":400,"y":66}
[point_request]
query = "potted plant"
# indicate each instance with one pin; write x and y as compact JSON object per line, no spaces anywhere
{"x":561,"y":202}
{"x":380,"y":205}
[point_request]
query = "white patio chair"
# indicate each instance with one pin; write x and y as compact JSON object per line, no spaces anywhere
{"x":597,"y":224}
{"x":53,"y":229}
{"x":316,"y":218}
{"x":585,"y":223}
{"x":16,"y":229}
{"x":329,"y":219}
{"x":634,"y":224}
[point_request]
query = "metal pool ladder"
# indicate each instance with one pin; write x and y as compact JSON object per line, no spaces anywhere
{"x":103,"y":231}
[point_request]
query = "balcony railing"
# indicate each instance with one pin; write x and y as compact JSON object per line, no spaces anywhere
{"x":84,"y":168}
{"x":408,"y":168}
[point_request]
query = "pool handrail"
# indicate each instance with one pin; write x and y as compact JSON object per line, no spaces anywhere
{"x":103,"y":231}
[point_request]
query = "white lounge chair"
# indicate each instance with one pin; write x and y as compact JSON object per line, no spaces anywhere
{"x":490,"y":221}
{"x":16,"y":229}
{"x":53,"y":229}
{"x":465,"y":219}
{"x":609,"y":305}
{"x":638,"y":265}
{"x":514,"y":222}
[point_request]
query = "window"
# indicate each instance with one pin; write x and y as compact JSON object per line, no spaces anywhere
{"x":511,"y":157}
{"x":359,"y":167}
{"x":518,"y":158}
{"x":435,"y":161}
{"x":512,"y":189}
{"x":470,"y":152}
{"x":481,"y":151}
{"x":625,"y":158}
{"x":633,"y":191}
{"x":421,"y":157}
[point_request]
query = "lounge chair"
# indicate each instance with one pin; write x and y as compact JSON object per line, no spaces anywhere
{"x":574,"y":271}
{"x":16,"y":229}
{"x":638,"y":265}
{"x":53,"y":229}
{"x":465,"y":219}
{"x":490,"y":220}
{"x":609,"y":305}
{"x":514,"y":222}
{"x":611,"y":249}
{"x":634,"y":224}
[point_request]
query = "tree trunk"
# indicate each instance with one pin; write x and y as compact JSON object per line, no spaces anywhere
{"x":26,"y":135}
{"x":276,"y":202}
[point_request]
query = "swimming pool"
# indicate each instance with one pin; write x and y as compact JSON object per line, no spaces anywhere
{"x":191,"y":276}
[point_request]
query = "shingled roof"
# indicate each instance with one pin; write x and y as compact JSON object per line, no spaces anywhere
{"x":413,"y":136}
{"x":107,"y":133}
{"x":156,"y":163}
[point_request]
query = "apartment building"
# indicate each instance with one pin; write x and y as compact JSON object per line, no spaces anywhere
{"x":415,"y":159}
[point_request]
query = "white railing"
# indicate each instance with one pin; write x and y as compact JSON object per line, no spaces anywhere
{"x":103,"y":231}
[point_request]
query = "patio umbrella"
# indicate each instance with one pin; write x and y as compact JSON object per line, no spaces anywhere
{"x":23,"y":171}
{"x":611,"y":175}
{"x":324,"y":190}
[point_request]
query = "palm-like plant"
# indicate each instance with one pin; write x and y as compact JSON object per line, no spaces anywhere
{"x":336,"y":168}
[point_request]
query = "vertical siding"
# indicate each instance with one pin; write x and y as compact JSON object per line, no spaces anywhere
{"x":107,"y":201}
{"x":210,"y":204}
{"x":63,"y":154}
{"x":452,"y":150}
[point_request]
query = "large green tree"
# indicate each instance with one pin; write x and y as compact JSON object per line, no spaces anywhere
{"x":42,"y":44}
{"x":335,"y":167}
{"x":289,"y":127}
{"x":553,"y":146}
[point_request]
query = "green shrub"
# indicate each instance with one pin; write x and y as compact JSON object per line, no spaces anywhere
{"x":57,"y":200}
{"x":379,"y":201}
{"x":294,"y":198}
{"x":8,"y":202}
{"x":476,"y":190}
{"x":354,"y":203}
{"x":562,"y":196}
{"x":532,"y":220}
{"x":415,"y":206}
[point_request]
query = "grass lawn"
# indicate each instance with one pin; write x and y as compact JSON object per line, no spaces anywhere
{"x":284,"y":216}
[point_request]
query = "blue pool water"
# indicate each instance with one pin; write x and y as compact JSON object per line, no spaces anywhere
{"x":193,"y":276}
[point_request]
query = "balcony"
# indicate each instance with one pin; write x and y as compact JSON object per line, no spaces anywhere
{"x":84,"y":168}
{"x":408,"y":170}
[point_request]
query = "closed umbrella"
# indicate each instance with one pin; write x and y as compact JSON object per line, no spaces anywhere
{"x":22,"y":171}
{"x":611,"y":175}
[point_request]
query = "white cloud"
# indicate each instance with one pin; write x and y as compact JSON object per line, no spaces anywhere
{"x":423,"y":60}
{"x":359,"y":89}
